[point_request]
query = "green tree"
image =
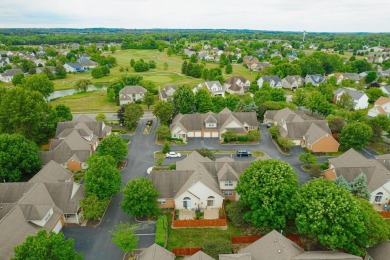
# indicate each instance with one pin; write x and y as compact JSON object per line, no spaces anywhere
{"x":63,"y":113}
{"x":132,"y":62}
{"x":308,"y":158}
{"x":219,"y":103}
{"x":124,"y":237}
{"x":235,"y":212}
{"x":254,"y":135}
{"x":166,"y":148}
{"x":203,"y":101}
{"x":217,"y":246}
{"x":206,"y":153}
{"x":140,"y":198}
{"x":102,"y":178}
{"x":115,"y":146}
{"x":17,"y":79}
{"x":18,"y":157}
{"x":371,"y":77}
{"x":93,"y":207}
{"x":132,"y":113}
{"x":60,"y":71}
{"x":359,"y":187}
{"x":374,"y":93}
{"x":100,"y":117}
{"x":355,"y":135}
{"x":229,"y":135}
{"x":82,"y":85}
{"x":318,"y":103}
{"x":165,"y":66}
{"x":112,"y":48}
{"x":346,"y":102}
{"x":274,"y":131}
{"x":45,"y":245}
{"x":379,"y":124}
{"x":163,"y":132}
{"x":300,"y":97}
{"x":264,"y":188}
{"x":336,"y":123}
{"x":229,"y":69}
{"x":27,"y":113}
{"x":232,"y":102}
{"x":39,"y":82}
{"x":330,"y":213}
{"x":340,"y":181}
{"x":285,"y":143}
{"x":184,"y":100}
{"x":149,"y":99}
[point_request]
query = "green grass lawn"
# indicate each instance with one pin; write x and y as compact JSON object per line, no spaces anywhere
{"x":388,"y":221}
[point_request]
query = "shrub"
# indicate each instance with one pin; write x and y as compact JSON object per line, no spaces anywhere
{"x":93,"y":207}
{"x":254,"y":135}
{"x":161,"y":230}
{"x":172,"y":166}
{"x":242,"y":138}
{"x":166,"y":148}
{"x":235,"y":213}
{"x":217,"y":246}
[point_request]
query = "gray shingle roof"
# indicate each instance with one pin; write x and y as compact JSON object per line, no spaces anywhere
{"x":132,"y":90}
{"x":200,"y":255}
{"x":325,"y":255}
{"x":155,"y":252}
{"x":52,"y":172}
{"x":356,"y":95}
{"x":380,"y":252}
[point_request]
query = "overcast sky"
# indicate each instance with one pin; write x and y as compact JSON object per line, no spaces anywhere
{"x":281,"y":15}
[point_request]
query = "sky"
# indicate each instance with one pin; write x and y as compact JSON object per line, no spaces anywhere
{"x":275,"y":15}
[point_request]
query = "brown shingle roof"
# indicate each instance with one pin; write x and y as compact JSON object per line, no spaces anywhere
{"x":52,"y":172}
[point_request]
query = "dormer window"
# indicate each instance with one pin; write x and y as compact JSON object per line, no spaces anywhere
{"x":228,"y":183}
{"x":211,"y":125}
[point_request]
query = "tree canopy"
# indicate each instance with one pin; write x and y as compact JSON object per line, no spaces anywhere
{"x":264,"y":188}
{"x":123,"y":237}
{"x":184,"y":100}
{"x":355,"y":135}
{"x":38,"y":82}
{"x":163,"y":111}
{"x":115,"y":146}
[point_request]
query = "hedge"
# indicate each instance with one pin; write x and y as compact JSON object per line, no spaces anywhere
{"x":161,"y":232}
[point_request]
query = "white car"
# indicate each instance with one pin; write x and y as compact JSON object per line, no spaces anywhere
{"x":172,"y":155}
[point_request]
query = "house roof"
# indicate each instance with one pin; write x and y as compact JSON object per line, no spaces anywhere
{"x":132,"y":90}
{"x":52,"y":172}
{"x":63,"y":152}
{"x":98,"y":128}
{"x":381,"y":101}
{"x":314,"y":133}
{"x":12,"y":72}
{"x":200,"y":255}
{"x":74,"y":65}
{"x":155,"y":252}
{"x":316,"y":78}
{"x":380,"y":252}
{"x":245,"y":256}
{"x":300,"y":129}
{"x":168,"y":183}
{"x":325,"y":255}
{"x":356,"y":95}
{"x":270,"y":78}
{"x":292,"y":79}
{"x":273,"y":246}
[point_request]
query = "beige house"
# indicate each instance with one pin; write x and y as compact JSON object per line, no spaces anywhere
{"x":166,"y":93}
{"x":211,"y":125}
{"x":214,"y":87}
{"x":315,"y":135}
{"x":155,"y":252}
{"x":237,"y":85}
{"x":292,"y":82}
{"x":381,"y":107}
{"x":130,"y":94}
{"x":48,"y":201}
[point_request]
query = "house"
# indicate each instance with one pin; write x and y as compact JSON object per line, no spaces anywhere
{"x":258,"y":66}
{"x":249,"y":60}
{"x":155,"y":252}
{"x":214,"y":87}
{"x":75,"y":141}
{"x":377,"y":171}
{"x":343,"y":76}
{"x":386,"y":89}
{"x":200,"y":255}
{"x":211,"y":125}
{"x":130,"y":94}
{"x":9,"y":74}
{"x":274,"y":81}
{"x":166,"y":93}
{"x":41,"y":69}
{"x":378,"y":252}
{"x":314,"y":135}
{"x":73,"y":67}
{"x":292,"y":82}
{"x":88,"y":64}
{"x":360,"y":99}
{"x":381,"y":107}
{"x":4,"y":61}
{"x":198,"y":182}
{"x":48,"y":201}
{"x":203,"y":55}
{"x":189,"y":52}
{"x":374,"y":59}
{"x":314,"y":79}
{"x":237,"y":85}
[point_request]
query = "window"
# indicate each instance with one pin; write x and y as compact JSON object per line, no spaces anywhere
{"x":210,"y":201}
{"x":228,"y":183}
{"x":228,"y":193}
{"x":378,"y":197}
{"x":161,"y":201}
{"x":186,"y":203}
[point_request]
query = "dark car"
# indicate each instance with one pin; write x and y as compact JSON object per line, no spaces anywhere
{"x":241,"y":153}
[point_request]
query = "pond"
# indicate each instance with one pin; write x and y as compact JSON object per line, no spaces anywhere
{"x":68,"y":92}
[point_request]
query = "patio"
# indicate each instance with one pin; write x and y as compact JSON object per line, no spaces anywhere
{"x":211,"y":214}
{"x":186,"y":214}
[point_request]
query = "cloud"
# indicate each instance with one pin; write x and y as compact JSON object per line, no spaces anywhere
{"x":293,"y":15}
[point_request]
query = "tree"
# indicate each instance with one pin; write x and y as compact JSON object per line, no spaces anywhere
{"x":115,"y":146}
{"x":132,"y":113}
{"x":124,"y":237}
{"x":379,"y":124}
{"x":336,"y":123}
{"x":63,"y":113}
{"x":371,"y":76}
{"x":132,"y":62}
{"x":308,"y":158}
{"x":112,"y":48}
{"x":140,"y":198}
{"x":285,"y":143}
{"x":340,"y":181}
{"x":318,"y":103}
{"x":374,"y":93}
{"x":254,"y":135}
{"x":165,"y":66}
{"x":346,"y":102}
{"x":27,"y":113}
{"x":100,"y":117}
{"x":102,"y":178}
{"x":232,"y":102}
{"x":229,"y":135}
{"x":217,"y":246}
{"x":359,"y":187}
{"x":17,"y":79}
{"x":264,"y":188}
{"x":274,"y":131}
{"x":219,"y":103}
{"x":330,"y":213}
{"x":229,"y":69}
{"x":300,"y":97}
{"x":166,"y":148}
{"x":184,"y":100}
{"x":47,"y":246}
{"x":39,"y":82}
{"x":82,"y":85}
{"x":163,"y":132}
{"x":355,"y":135}
{"x":18,"y":157}
{"x":149,"y":99}
{"x":203,"y":101}
{"x":100,"y":71}
{"x":206,"y":153}
{"x":93,"y":207}
{"x":60,"y":71}
{"x":235,"y":212}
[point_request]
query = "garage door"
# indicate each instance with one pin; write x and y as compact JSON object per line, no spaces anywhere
{"x":190,"y":134}
{"x":57,"y":228}
{"x":206,"y":134}
{"x":215,"y":134}
{"x":198,"y":134}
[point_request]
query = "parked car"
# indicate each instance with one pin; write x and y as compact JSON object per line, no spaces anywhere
{"x":241,"y":153}
{"x":269,"y":125}
{"x":172,"y":155}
